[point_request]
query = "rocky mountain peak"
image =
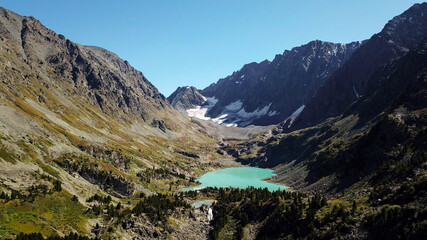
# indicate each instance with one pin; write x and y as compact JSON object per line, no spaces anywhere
{"x":268,"y":92}
{"x":249,"y":74}
{"x":94,"y":75}
{"x":186,"y":98}
{"x":405,"y":29}
{"x":349,"y":82}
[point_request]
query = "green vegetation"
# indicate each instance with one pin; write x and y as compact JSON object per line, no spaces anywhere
{"x":42,"y":213}
{"x":158,"y":206}
{"x":39,"y":236}
{"x":282,"y":213}
{"x":396,"y":222}
{"x":6,"y":156}
{"x":291,"y":215}
{"x":158,"y":174}
{"x":97,"y":174}
{"x":96,"y":197}
{"x":33,"y":191}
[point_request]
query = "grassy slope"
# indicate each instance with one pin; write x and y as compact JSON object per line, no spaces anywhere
{"x":49,"y":215}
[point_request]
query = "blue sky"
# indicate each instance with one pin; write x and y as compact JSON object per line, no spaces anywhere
{"x":181,"y":42}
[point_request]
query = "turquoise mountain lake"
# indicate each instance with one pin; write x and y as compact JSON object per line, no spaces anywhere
{"x":241,"y":177}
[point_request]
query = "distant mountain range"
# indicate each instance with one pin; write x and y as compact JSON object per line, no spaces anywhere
{"x":267,"y":92}
{"x":306,"y":85}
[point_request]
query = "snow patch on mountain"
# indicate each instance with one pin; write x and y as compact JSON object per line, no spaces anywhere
{"x":273,"y":113}
{"x":220,"y":119}
{"x":233,"y":115}
{"x":324,"y":74}
{"x":234,"y":106}
{"x":355,"y":92}
{"x":200,"y":111}
{"x":255,"y":114}
{"x":295,"y":114}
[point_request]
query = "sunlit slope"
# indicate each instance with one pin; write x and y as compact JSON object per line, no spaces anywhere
{"x":85,"y":118}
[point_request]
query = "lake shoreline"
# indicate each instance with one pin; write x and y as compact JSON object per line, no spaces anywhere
{"x":238,"y":177}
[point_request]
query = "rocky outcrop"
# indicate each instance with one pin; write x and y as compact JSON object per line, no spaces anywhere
{"x":114,"y":185}
{"x":186,"y":98}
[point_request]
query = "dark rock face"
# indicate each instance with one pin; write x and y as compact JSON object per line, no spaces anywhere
{"x":269,"y":92}
{"x":286,"y":83}
{"x":236,"y":86}
{"x":350,"y":82}
{"x":186,"y":98}
{"x":111,"y":183}
{"x":347,"y":148}
{"x":100,"y":77}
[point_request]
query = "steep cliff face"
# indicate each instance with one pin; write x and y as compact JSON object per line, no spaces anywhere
{"x":91,"y":75}
{"x":269,"y":92}
{"x":350,"y":82}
